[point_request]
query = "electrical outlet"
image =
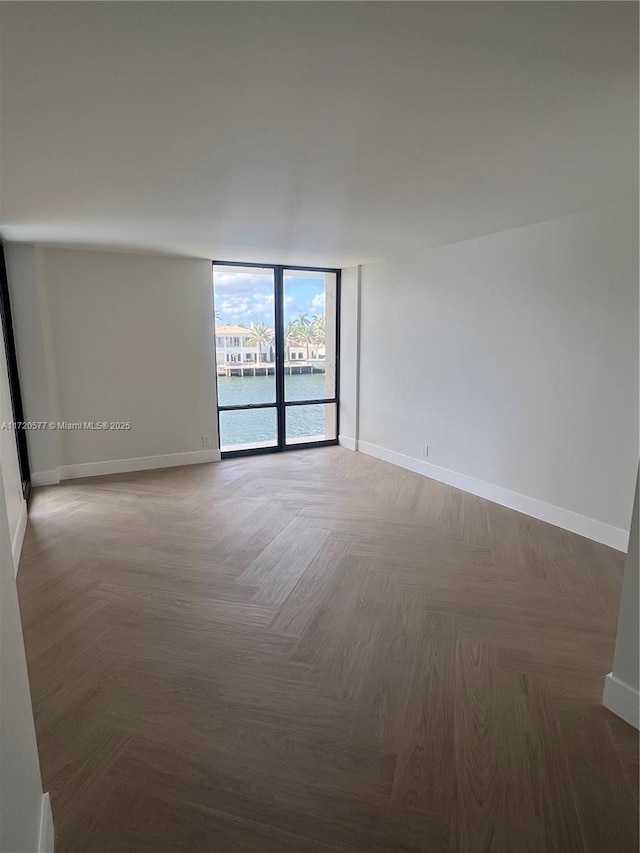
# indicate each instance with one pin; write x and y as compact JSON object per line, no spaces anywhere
{"x":206,"y":441}
{"x":425,"y":450}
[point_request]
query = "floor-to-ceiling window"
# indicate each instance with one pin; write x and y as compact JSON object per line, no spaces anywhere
{"x":277,"y":355}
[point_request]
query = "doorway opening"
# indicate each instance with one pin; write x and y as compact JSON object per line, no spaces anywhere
{"x":277,"y":356}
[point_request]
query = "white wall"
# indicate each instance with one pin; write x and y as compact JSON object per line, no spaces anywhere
{"x":515,"y":358}
{"x":622,"y":688}
{"x":124,"y":337}
{"x":27,"y":302}
{"x":626,"y":662}
{"x":349,"y":355}
{"x":21,"y":797}
{"x":12,"y":483}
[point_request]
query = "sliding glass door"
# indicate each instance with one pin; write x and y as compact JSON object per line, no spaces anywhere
{"x":277,"y":356}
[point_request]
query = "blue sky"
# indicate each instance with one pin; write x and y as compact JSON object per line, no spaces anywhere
{"x":247,"y":297}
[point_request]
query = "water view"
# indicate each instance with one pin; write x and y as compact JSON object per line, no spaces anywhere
{"x":259,"y":426}
{"x":245,"y":340}
{"x":240,"y":390}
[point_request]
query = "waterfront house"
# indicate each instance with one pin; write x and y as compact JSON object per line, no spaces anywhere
{"x":236,"y":345}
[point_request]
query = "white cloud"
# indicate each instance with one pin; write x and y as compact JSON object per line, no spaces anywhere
{"x":244,"y":296}
{"x":237,"y":282}
{"x":249,"y":297}
{"x":235,"y":305}
{"x":318,"y":300}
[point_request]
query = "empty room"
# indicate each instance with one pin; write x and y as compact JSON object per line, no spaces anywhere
{"x":319,"y":436}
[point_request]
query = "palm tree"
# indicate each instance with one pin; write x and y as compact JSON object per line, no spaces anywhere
{"x":260,"y":336}
{"x":319,"y":325}
{"x":305,"y":332}
{"x":306,"y":336}
{"x":290,"y":337}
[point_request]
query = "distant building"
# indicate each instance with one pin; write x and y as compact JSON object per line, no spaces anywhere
{"x":296,"y":352}
{"x":232,"y":347}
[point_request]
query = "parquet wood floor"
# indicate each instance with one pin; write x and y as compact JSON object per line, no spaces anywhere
{"x":318,"y":651}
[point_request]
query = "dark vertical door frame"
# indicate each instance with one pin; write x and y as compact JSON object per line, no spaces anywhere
{"x":281,"y":404}
{"x":14,"y":378}
{"x":280,"y":355}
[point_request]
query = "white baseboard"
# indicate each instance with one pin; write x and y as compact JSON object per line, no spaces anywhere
{"x":607,"y":534}
{"x":622,"y":699}
{"x":18,"y":537}
{"x":45,"y":478}
{"x":46,"y":841}
{"x":141,"y":463}
{"x":349,"y":443}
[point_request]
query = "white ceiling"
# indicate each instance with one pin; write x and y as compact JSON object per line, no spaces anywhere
{"x":314,"y":133}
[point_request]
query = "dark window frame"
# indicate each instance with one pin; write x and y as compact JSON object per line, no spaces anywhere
{"x":281,"y":404}
{"x":14,"y":378}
